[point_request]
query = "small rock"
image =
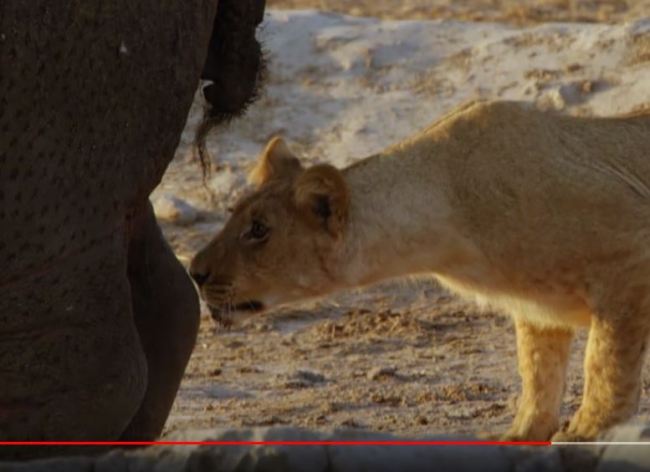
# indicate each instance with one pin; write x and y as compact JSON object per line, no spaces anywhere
{"x":351,"y":423}
{"x":233,"y":344}
{"x":574,"y":67}
{"x":379,"y":372}
{"x":265,"y":421}
{"x":215,"y":372}
{"x":552,"y":100}
{"x":333,"y":407}
{"x":301,"y":379}
{"x":175,"y":210}
{"x":320,"y":419}
{"x":391,"y":400}
{"x":587,"y":86}
{"x":310,"y":376}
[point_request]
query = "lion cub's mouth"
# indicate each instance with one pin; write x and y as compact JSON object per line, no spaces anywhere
{"x":222,"y":314}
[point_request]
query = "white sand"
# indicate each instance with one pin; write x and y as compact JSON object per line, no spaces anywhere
{"x":341,"y":87}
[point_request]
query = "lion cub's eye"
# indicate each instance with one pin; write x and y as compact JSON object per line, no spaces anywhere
{"x":258,"y":231}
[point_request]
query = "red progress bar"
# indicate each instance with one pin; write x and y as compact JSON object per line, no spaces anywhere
{"x":275,"y":443}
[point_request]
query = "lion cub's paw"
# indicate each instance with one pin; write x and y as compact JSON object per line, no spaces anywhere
{"x":506,"y":437}
{"x":485,"y":436}
{"x":514,"y":437}
{"x":567,"y":436}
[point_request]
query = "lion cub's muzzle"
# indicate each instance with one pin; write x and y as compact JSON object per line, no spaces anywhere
{"x":222,"y":314}
{"x":219,"y":294}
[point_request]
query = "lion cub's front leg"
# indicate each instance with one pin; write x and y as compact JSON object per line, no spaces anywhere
{"x":543,"y":354}
{"x":615,"y":353}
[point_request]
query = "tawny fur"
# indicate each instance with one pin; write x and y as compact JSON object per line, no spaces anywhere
{"x":543,"y":216}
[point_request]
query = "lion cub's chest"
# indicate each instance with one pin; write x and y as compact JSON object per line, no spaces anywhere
{"x":545,"y":308}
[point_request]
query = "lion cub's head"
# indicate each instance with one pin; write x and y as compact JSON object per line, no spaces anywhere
{"x":279,"y":242}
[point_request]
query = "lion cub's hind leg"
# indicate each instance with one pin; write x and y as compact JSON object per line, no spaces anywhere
{"x":613,"y":361}
{"x":542,"y":353}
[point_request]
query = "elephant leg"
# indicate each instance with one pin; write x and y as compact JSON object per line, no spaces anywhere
{"x":543,"y":353}
{"x":72,"y":363}
{"x":166,"y":313}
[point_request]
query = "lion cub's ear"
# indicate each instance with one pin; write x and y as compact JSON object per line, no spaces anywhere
{"x":321,"y":192}
{"x":276,"y":161}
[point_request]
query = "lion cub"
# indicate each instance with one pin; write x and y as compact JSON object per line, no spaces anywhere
{"x":543,"y":216}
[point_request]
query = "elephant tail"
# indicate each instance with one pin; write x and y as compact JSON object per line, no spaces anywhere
{"x":235,"y":66}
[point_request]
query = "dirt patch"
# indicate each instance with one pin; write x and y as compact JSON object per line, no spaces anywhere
{"x":640,"y":49}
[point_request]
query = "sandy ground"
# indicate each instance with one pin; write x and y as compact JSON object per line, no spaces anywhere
{"x":403,"y":357}
{"x":509,"y":11}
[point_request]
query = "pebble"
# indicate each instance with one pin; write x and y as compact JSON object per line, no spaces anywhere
{"x":551,"y":100}
{"x":301,"y":378}
{"x":174,"y":210}
{"x":378,"y":372}
{"x":310,"y":376}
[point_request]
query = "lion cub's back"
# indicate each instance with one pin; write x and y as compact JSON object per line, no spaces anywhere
{"x":548,"y":197}
{"x":535,"y":172}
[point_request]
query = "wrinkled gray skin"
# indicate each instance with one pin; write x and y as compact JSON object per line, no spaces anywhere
{"x":97,"y":317}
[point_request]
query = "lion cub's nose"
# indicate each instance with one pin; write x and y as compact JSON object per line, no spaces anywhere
{"x":198,"y":271}
{"x":199,"y":277}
